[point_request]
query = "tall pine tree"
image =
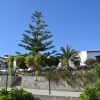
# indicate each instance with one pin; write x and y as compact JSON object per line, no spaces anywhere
{"x":35,"y":39}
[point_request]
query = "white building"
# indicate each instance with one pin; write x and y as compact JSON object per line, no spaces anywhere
{"x":84,"y":55}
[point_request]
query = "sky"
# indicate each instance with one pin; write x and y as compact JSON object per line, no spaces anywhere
{"x":71,"y":22}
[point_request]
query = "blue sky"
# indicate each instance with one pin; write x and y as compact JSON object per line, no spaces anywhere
{"x":73,"y":22}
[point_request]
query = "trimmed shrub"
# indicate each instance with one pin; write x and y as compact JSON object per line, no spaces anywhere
{"x":96,"y":70}
{"x":15,"y":94}
{"x":91,"y":93}
{"x":37,"y":73}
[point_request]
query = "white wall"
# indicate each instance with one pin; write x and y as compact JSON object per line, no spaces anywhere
{"x":83,"y":57}
{"x":14,"y":64}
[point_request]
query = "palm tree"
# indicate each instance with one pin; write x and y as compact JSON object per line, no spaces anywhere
{"x":67,"y":53}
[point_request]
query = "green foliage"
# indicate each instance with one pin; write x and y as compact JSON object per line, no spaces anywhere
{"x":4,"y":95}
{"x":35,"y":38}
{"x":12,"y":72}
{"x":3,"y":92}
{"x":89,"y":78}
{"x":54,"y":77}
{"x":73,"y":79}
{"x":52,"y":61}
{"x":15,"y":94}
{"x":10,"y":62}
{"x":91,"y":93}
{"x":29,"y":60}
{"x":6,"y":98}
{"x":20,"y":94}
{"x":34,"y":61}
{"x":37,"y":73}
{"x":96,"y":70}
{"x":37,"y":61}
{"x":67,"y":53}
{"x":90,"y":62}
{"x":97,"y":86}
{"x":20,"y":62}
{"x":44,"y":58}
{"x":76,"y":60}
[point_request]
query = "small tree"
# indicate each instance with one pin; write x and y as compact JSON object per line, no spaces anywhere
{"x":29,"y":60}
{"x":10,"y":61}
{"x":37,"y":61}
{"x":20,"y":62}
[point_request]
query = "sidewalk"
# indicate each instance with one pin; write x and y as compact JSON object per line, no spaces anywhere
{"x":53,"y":93}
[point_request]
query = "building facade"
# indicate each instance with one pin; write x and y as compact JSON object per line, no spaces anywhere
{"x":3,"y":63}
{"x":84,"y":55}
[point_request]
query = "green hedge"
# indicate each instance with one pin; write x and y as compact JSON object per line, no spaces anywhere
{"x":15,"y":94}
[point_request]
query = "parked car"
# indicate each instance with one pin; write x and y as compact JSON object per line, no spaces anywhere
{"x":44,"y":68}
{"x":18,"y":70}
{"x":30,"y":69}
{"x":3,"y":70}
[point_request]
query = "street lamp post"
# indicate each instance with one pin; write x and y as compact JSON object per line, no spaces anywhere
{"x":6,"y":80}
{"x":49,"y":83}
{"x":49,"y":78}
